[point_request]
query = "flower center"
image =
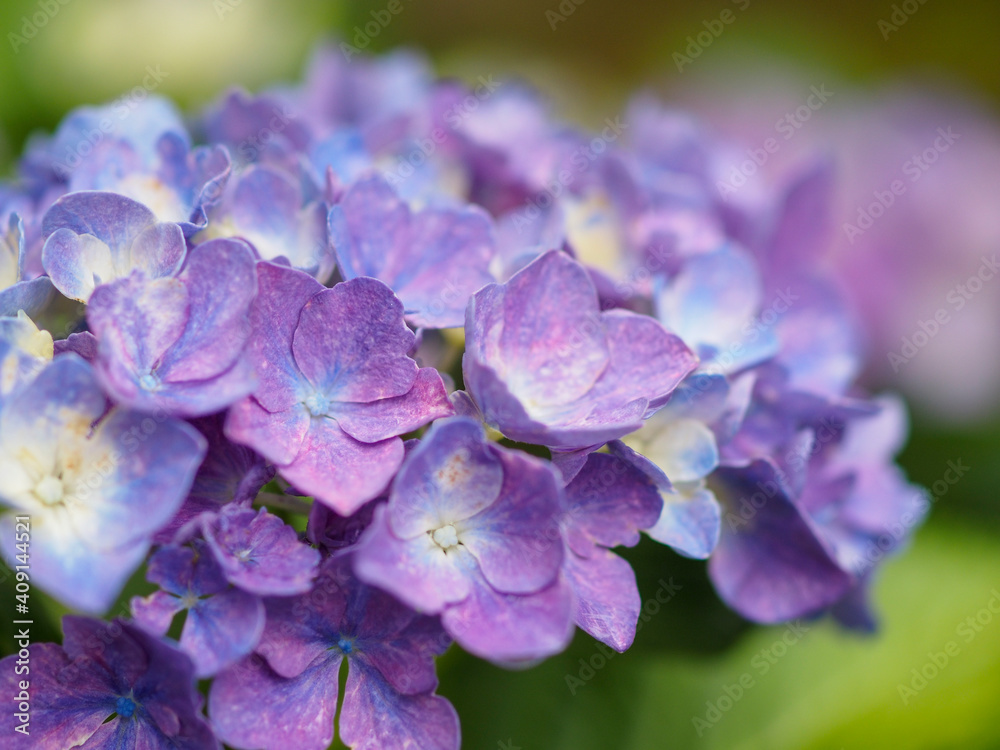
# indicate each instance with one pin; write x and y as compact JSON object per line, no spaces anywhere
{"x":125,"y":706}
{"x":317,"y":404}
{"x":149,"y":381}
{"x":346,"y":645}
{"x":50,"y":490}
{"x":189,"y":600}
{"x":446,"y":537}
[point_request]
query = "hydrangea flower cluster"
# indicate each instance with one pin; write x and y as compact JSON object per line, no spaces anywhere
{"x":386,"y":363}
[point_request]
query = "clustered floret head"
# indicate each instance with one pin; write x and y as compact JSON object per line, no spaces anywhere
{"x":386,"y":363}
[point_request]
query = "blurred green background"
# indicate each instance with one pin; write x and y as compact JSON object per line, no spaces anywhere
{"x":831,"y":689}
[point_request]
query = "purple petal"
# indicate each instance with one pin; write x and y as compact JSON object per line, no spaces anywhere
{"x":113,"y":219}
{"x":230,"y":473}
{"x":854,"y":609}
{"x":77,"y":264}
{"x":801,"y":234}
{"x":377,"y":420}
{"x":64,"y":713}
{"x":396,"y":641}
{"x":260,"y":553}
{"x":770,"y":566}
{"x":376,"y":717}
{"x":30,"y":296}
{"x":278,"y":437}
{"x":85,"y":637}
{"x":121,"y":483}
{"x":85,"y":579}
{"x":338,"y":470}
{"x":158,"y":677}
{"x":221,"y":283}
{"x":552,"y":340}
{"x":331,"y":531}
{"x":690,"y":522}
{"x":158,"y":250}
{"x":136,"y":321}
{"x":221,"y":629}
{"x":267,"y":209}
{"x":453,"y":250}
{"x":83,"y":344}
{"x":253,"y":707}
{"x":711,"y":303}
{"x":351,"y":343}
{"x":565,"y":375}
{"x":505,"y":537}
{"x":433,"y":260}
{"x":183,"y":570}
{"x":369,"y":229}
{"x":176,"y":344}
{"x":609,"y":502}
{"x":151,"y":478}
{"x":106,"y":234}
{"x":569,"y":463}
{"x":607,"y":599}
{"x":300,"y":630}
{"x":282,"y":292}
{"x":156,"y":611}
{"x":511,"y":627}
{"x":646,"y":362}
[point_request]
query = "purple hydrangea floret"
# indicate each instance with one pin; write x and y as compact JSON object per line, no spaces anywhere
{"x":285,"y":695}
{"x":336,"y":387}
{"x":93,"y":237}
{"x":463,"y":535}
{"x":546,"y":365}
{"x":97,"y":482}
{"x":176,"y":345}
{"x":260,"y":553}
{"x":111,"y":684}
{"x":222,"y":624}
{"x":268,"y":207}
{"x":17,"y":291}
{"x":434,"y":259}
